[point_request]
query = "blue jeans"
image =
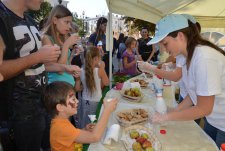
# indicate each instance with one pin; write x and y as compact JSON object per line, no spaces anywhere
{"x":217,"y":135}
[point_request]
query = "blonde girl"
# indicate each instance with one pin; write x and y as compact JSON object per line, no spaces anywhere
{"x":93,"y":78}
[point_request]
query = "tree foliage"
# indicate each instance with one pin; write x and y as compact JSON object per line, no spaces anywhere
{"x":134,"y":24}
{"x":79,"y":23}
{"x":42,"y":13}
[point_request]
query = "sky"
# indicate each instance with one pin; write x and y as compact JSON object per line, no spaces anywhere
{"x":90,"y":7}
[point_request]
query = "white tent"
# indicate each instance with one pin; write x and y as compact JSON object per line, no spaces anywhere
{"x":209,"y":13}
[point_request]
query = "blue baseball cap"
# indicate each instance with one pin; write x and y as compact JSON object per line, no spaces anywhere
{"x":167,"y":25}
{"x":189,"y":17}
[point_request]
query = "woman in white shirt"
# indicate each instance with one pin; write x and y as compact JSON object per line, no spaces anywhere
{"x":203,"y":75}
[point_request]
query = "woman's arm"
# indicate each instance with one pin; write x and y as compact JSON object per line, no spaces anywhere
{"x":203,"y":108}
{"x":186,"y":103}
{"x":174,"y":75}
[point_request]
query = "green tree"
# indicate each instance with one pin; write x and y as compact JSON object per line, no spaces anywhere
{"x":42,"y":13}
{"x":134,"y":25}
{"x":79,"y":22}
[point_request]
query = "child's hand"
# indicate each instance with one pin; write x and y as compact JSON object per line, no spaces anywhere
{"x":90,"y":127}
{"x":110,"y":105}
{"x":74,"y":70}
{"x":71,"y":40}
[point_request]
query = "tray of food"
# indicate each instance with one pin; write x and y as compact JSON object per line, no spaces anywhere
{"x":132,"y":94}
{"x":132,"y":116}
{"x":140,"y":138}
{"x":142,"y":82}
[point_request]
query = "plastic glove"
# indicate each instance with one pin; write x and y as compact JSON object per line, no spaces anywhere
{"x":146,"y":67}
{"x":159,"y":118}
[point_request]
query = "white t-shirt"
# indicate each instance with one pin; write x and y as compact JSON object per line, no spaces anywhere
{"x":206,"y":77}
{"x":86,"y":95}
{"x":180,"y":62}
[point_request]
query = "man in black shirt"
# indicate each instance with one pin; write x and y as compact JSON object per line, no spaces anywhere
{"x":146,"y":52}
{"x":24,"y":73}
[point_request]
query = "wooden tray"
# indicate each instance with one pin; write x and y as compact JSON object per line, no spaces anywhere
{"x":126,"y":123}
{"x":127,"y":141}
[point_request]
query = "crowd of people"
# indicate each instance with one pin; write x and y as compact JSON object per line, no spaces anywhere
{"x":42,"y":67}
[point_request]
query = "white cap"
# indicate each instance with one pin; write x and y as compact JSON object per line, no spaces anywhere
{"x":167,"y":25}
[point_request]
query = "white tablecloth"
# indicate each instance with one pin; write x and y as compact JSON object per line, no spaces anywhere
{"x":180,"y":136}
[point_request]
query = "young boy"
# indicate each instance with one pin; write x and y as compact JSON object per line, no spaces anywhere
{"x":61,"y":103}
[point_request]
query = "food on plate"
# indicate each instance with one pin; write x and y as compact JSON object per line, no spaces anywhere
{"x":133,"y":115}
{"x":149,"y":149}
{"x":136,"y":146}
{"x":133,"y":92}
{"x":134,"y":134}
{"x":141,"y":140}
{"x":144,"y":135}
{"x":142,"y":82}
{"x":150,"y":144}
{"x":146,"y":144}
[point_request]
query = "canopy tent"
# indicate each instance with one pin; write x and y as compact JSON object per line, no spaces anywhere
{"x":209,"y":13}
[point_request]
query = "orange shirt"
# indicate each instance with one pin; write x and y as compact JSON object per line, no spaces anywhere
{"x":62,"y":135}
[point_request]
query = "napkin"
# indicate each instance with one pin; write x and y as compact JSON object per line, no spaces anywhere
{"x":112,"y":133}
{"x":92,"y":118}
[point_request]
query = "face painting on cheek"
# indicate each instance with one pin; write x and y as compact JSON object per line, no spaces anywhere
{"x":72,"y":100}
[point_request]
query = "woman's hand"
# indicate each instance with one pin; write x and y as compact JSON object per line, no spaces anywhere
{"x":146,"y":67}
{"x":159,"y":118}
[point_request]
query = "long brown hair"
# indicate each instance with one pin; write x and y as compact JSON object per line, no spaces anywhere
{"x":91,"y":53}
{"x":99,"y":32}
{"x":193,"y":39}
{"x":58,"y":11}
